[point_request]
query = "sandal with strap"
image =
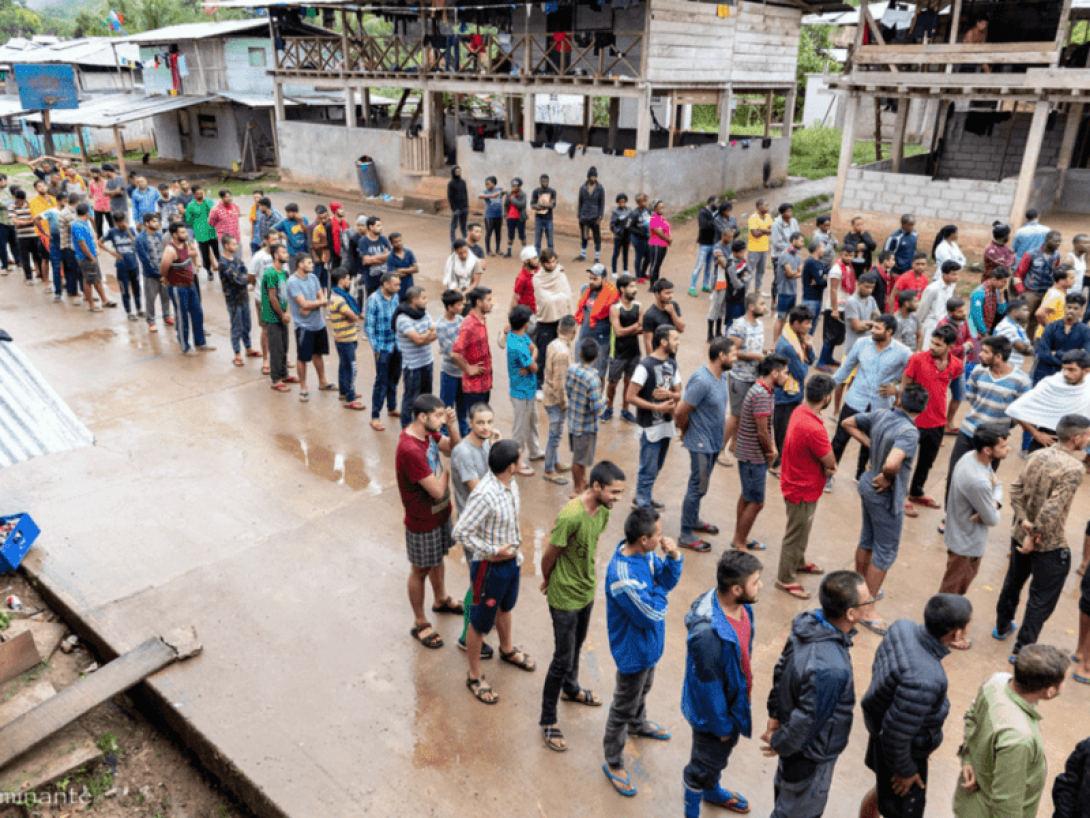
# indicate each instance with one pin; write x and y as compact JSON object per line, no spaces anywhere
{"x":584,"y":696}
{"x":910,"y":510}
{"x":523,"y":661}
{"x":794,"y":590}
{"x":433,"y":640}
{"x":622,"y":785}
{"x":926,"y":502}
{"x":355,"y":405}
{"x":281,"y":387}
{"x":652,"y":729}
{"x":811,"y":568}
{"x":482,"y":690}
{"x":449,"y":606}
{"x":550,"y":735}
{"x":722,"y":797}
{"x":699,"y":546}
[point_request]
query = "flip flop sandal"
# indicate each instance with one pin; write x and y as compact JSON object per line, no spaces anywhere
{"x":480,"y":688}
{"x":329,"y":387}
{"x":525,"y":472}
{"x":432,"y":641}
{"x":376,"y":424}
{"x":657,"y":732}
{"x":550,"y":735}
{"x":1080,"y":679}
{"x":449,"y":606}
{"x":795,"y":590}
{"x":699,"y":546}
{"x":875,"y":626}
{"x":355,"y":405}
{"x":562,"y":468}
{"x":252,"y":353}
{"x":264,"y":370}
{"x":290,"y":379}
{"x":968,"y":644}
{"x":752,"y":545}
{"x":952,"y":432}
{"x":926,"y":502}
{"x":281,"y":387}
{"x":584,"y":696}
{"x":110,"y":304}
{"x":706,"y":528}
{"x":553,"y":478}
{"x":304,"y":397}
{"x":735,"y":803}
{"x":524,"y":661}
{"x":237,"y":362}
{"x":621,"y":785}
{"x":910,"y":510}
{"x":811,"y":568}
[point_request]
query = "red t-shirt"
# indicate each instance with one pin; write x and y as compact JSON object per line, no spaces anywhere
{"x":802,"y":477}
{"x":417,"y":460}
{"x":524,"y":288}
{"x":472,"y":344}
{"x":923,"y":370}
{"x":909,"y":281}
{"x":744,"y":629}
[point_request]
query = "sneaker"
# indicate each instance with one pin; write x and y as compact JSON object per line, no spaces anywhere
{"x":829,"y":483}
{"x":29,"y":282}
{"x":508,"y":253}
{"x":580,"y":257}
{"x":628,"y":416}
{"x":486,"y":649}
{"x":56,"y":298}
{"x":692,"y":292}
{"x":607,"y":415}
{"x":1001,"y":636}
{"x":706,"y":289}
{"x":655,"y":504}
{"x":48,"y":291}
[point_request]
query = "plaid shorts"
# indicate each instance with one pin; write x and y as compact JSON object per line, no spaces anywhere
{"x":428,"y":549}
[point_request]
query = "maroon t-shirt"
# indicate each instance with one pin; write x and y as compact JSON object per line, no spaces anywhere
{"x":417,"y":460}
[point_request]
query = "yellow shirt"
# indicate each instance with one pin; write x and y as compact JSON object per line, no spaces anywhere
{"x":344,"y":331}
{"x":759,"y":222}
{"x":1053,"y":305}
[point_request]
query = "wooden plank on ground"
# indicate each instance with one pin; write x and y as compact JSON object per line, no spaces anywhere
{"x":17,"y":656}
{"x":119,"y":675}
{"x":54,"y":758}
{"x":47,"y":635}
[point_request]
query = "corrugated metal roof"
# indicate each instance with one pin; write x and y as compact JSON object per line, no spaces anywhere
{"x":33,"y":418}
{"x":197,"y":31}
{"x":119,"y":109}
{"x":89,"y":51}
{"x":254,"y":100}
{"x":11,"y":106}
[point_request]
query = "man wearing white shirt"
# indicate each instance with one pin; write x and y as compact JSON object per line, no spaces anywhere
{"x":935,"y":295}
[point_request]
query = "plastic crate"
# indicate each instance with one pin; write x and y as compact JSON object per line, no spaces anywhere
{"x":17,"y":542}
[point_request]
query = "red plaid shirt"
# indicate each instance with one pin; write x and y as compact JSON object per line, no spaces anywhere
{"x":224,"y":220}
{"x":472,"y":344}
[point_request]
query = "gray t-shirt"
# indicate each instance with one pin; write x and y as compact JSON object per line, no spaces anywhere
{"x":707,"y":422}
{"x":750,"y":338}
{"x":855,"y":307}
{"x":971,"y":492}
{"x":467,"y":462}
{"x":906,"y":330}
{"x":117,"y":202}
{"x":309,"y":289}
{"x":888,"y":429}
{"x":784,"y":285}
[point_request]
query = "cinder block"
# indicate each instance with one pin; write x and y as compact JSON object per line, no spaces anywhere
{"x":976,"y":197}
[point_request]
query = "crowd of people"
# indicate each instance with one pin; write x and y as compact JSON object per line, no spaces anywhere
{"x":911,"y":346}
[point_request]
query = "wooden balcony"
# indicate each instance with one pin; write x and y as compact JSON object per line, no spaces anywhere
{"x":568,"y":59}
{"x":956,"y":54}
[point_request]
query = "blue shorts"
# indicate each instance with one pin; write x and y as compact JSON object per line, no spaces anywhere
{"x":880,"y":532}
{"x":784,"y":304}
{"x":754,"y":476}
{"x":957,"y":388}
{"x":495,"y":589}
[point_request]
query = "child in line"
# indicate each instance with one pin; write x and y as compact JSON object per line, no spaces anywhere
{"x":344,"y":316}
{"x":450,"y":376}
{"x":557,"y":361}
{"x":618,"y":226}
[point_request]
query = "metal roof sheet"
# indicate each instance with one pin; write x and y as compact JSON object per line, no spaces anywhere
{"x":119,"y":109}
{"x":254,"y":100}
{"x":197,"y":31}
{"x":90,"y":51}
{"x":33,"y":418}
{"x":11,"y":106}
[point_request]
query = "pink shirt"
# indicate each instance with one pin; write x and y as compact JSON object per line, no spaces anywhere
{"x":661,"y":223}
{"x":224,"y":220}
{"x":99,"y":199}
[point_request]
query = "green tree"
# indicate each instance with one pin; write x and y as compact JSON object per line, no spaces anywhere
{"x":16,"y":20}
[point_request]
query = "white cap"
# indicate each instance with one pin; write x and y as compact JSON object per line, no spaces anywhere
{"x":598,"y":270}
{"x":528,"y":253}
{"x":361,"y":219}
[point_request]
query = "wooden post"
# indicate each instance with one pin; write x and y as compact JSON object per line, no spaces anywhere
{"x":350,"y":119}
{"x":366,"y":103}
{"x":119,"y":147}
{"x":847,"y":145}
{"x":344,"y":47}
{"x":1029,"y":163}
{"x":724,"y":114}
{"x":671,"y":123}
{"x":1067,"y":146}
{"x":643,"y":121}
{"x":276,"y":53}
{"x":527,"y":48}
{"x":275,"y":138}
{"x":955,"y":24}
{"x":789,"y":113}
{"x":200,"y":68}
{"x":47,"y":135}
{"x":614,"y":120}
{"x":82,"y":147}
{"x":278,"y":99}
{"x":1061,"y":33}
{"x":588,"y":105}
{"x":899,"y":128}
{"x":768,"y":115}
{"x":877,"y":130}
{"x":529,"y":116}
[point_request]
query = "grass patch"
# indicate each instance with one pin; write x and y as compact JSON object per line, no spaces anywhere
{"x":812,"y":207}
{"x":815,"y":152}
{"x":242,"y":188}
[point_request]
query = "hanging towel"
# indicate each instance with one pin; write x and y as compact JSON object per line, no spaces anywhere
{"x":183,"y":69}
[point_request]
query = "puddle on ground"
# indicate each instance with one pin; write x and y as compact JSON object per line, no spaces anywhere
{"x":102,"y":335}
{"x":344,"y":470}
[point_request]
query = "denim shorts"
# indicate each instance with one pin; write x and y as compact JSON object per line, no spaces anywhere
{"x":754,"y":476}
{"x":957,"y":388}
{"x":495,"y":589}
{"x":784,"y":304}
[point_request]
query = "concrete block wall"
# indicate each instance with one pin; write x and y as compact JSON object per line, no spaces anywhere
{"x":1076,"y":193}
{"x":960,"y":201}
{"x":973,"y":156}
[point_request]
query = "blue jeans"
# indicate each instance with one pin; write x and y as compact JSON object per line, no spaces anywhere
{"x":387,"y":374}
{"x":639,"y":252}
{"x":416,"y":382}
{"x":450,"y":392}
{"x":8,"y":241}
{"x":129,"y":282}
{"x":701,"y":465}
{"x":57,"y":263}
{"x":543,"y":228}
{"x":703,"y":259}
{"x":707,"y":760}
{"x":556,"y":417}
{"x":71,"y":271}
{"x":346,"y":370}
{"x":600,"y":333}
{"x":188,"y":312}
{"x":323,"y":275}
{"x":240,"y":325}
{"x":815,"y":308}
{"x":652,"y":456}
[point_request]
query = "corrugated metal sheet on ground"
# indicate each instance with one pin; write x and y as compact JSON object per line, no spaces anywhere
{"x":33,"y":418}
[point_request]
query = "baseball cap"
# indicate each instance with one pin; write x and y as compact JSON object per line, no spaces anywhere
{"x":598,"y":270}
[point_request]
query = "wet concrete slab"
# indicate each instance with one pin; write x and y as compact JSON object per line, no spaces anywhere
{"x":275,"y":528}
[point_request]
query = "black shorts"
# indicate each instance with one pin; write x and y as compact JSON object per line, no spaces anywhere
{"x":622,"y":368}
{"x":1084,"y":598}
{"x":890,"y":804}
{"x":310,"y":342}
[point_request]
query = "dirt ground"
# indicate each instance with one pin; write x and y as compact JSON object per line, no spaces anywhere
{"x":142,"y":772}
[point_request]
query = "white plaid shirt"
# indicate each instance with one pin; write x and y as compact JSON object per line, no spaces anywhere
{"x":490,"y":519}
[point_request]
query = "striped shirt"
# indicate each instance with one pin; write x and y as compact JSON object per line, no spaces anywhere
{"x":758,"y":404}
{"x":446,"y":332}
{"x":490,"y":519}
{"x":23,"y":231}
{"x":344,"y":331}
{"x":379,"y":315}
{"x":989,"y":398}
{"x":585,"y":401}
{"x":414,"y":356}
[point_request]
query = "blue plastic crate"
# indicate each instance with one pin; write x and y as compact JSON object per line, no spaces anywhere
{"x":17,"y":542}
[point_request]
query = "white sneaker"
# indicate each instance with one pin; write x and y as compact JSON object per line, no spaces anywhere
{"x":540,"y":395}
{"x":829,"y":481}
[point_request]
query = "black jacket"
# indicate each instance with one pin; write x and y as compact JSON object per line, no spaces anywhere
{"x":457,"y":193}
{"x":906,"y":704}
{"x":1071,"y":790}
{"x":813,"y":692}
{"x":591,"y":203}
{"x":705,"y":227}
{"x":861,"y":245}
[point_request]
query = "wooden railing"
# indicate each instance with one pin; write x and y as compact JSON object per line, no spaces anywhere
{"x":568,"y":55}
{"x":940,"y":54}
{"x":415,"y":154}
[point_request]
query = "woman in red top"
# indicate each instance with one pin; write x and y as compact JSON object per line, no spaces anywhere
{"x":660,"y":240}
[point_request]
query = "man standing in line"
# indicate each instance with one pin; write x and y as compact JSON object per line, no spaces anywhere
{"x":808,"y":460}
{"x":902,"y":243}
{"x":471,"y":352}
{"x":424,"y":486}
{"x":68,"y":253}
{"x":1003,"y":764}
{"x":749,"y":337}
{"x":177,"y":271}
{"x":906,"y":705}
{"x":320,"y":241}
{"x":415,"y":333}
{"x":624,"y":317}
{"x":655,"y":391}
{"x":637,"y":584}
{"x":760,"y":228}
{"x":260,"y":261}
{"x":268,"y":218}
{"x":568,"y":582}
{"x":378,"y":324}
{"x":701,"y":419}
{"x":796,"y":346}
{"x":294,"y":227}
{"x":1029,"y":236}
{"x":144,"y":199}
{"x":1061,"y":337}
{"x":664,"y":311}
{"x":463,"y":269}
{"x":458,"y":201}
{"x":149,"y":252}
{"x":592,"y":313}
{"x":706,"y":240}
{"x":277,"y":318}
{"x":236,"y":291}
{"x":196,"y":218}
{"x":1035,"y":275}
{"x":811,"y":703}
{"x":715,"y":698}
{"x":306,"y":298}
{"x":83,"y":239}
{"x":489,"y":530}
{"x":892,"y":438}
{"x":862,"y":247}
{"x":1041,"y":498}
{"x":591,"y":208}
{"x":543,"y":202}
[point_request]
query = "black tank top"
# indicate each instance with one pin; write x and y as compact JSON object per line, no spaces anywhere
{"x":629,"y":345}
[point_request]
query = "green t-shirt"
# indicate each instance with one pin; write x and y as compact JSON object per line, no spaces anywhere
{"x":278,"y":280}
{"x":571,"y":584}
